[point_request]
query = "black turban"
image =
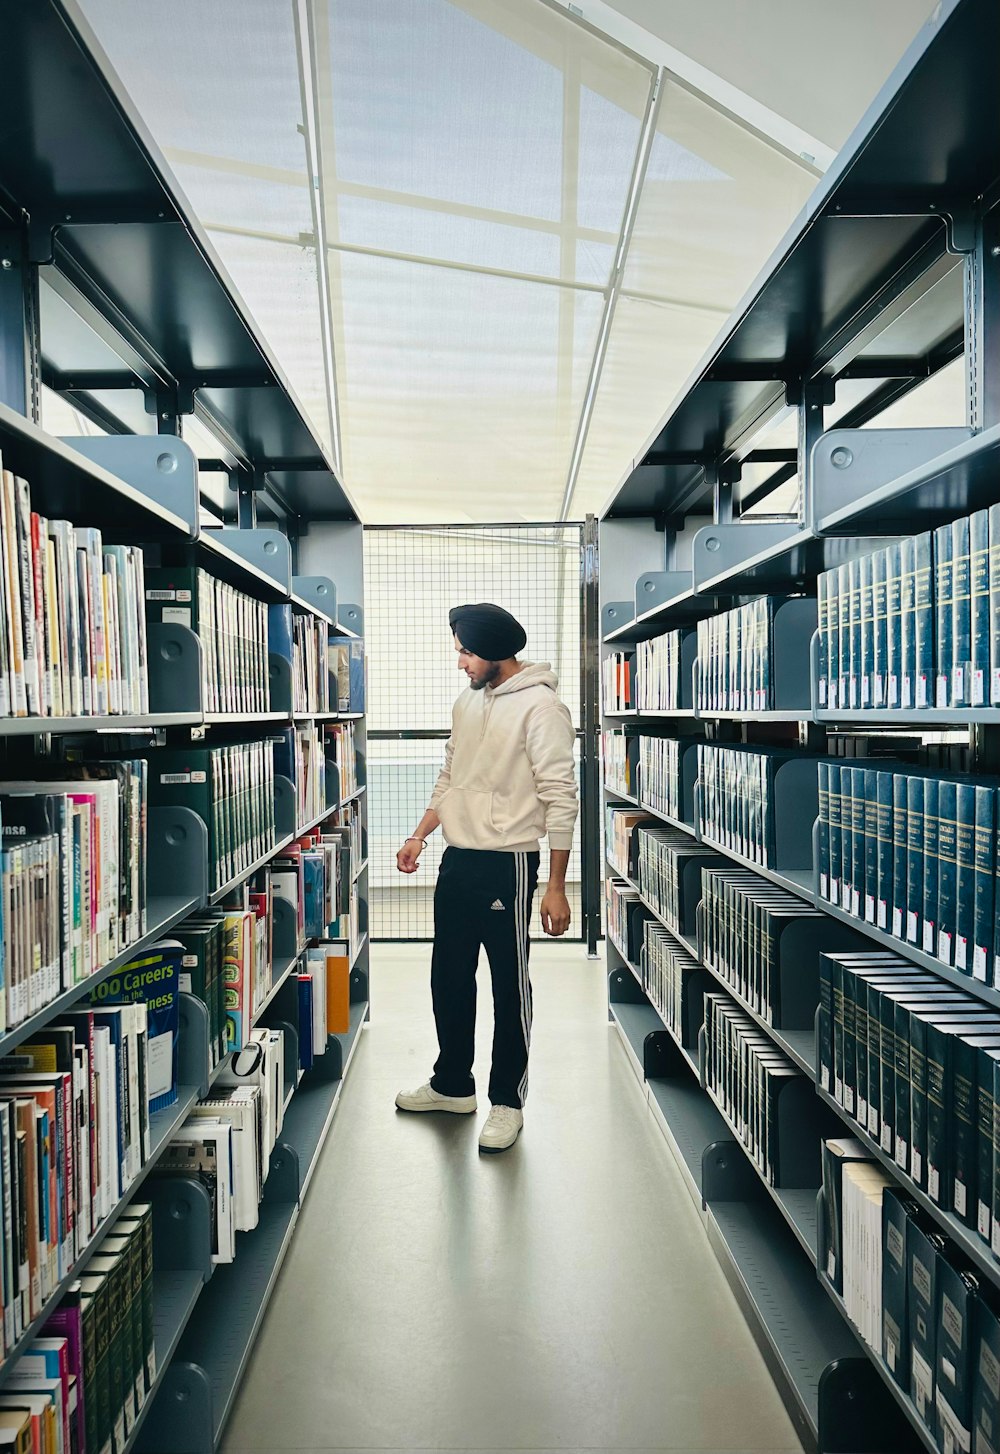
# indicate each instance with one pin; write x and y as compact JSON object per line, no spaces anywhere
{"x":487,"y":631}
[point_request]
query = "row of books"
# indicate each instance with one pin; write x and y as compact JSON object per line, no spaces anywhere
{"x":916,"y":624}
{"x":914,"y":855}
{"x":742,"y":920}
{"x":737,"y":798}
{"x":351,"y":675}
{"x":673,"y":981}
{"x":663,"y":856}
{"x":231,"y":788}
{"x":658,"y":673}
{"x":79,"y":1387}
{"x":914,"y":1062}
{"x":619,"y":830}
{"x":74,"y":1134}
{"x":72,"y":620}
{"x":300,"y":755}
{"x":660,"y":774}
{"x":616,"y":681}
{"x":73,"y":867}
{"x":919,"y":1304}
{"x":617,"y":762}
{"x":342,"y":750}
{"x":231,"y":626}
{"x":315,"y":686}
{"x":748,"y":1075}
{"x":324,"y":998}
{"x":735,"y":650}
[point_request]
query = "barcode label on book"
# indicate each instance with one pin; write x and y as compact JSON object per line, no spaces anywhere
{"x":978,"y":687}
{"x":942,"y":691}
{"x":928,"y":937}
{"x":883,"y":913}
{"x":979,"y":963}
{"x":869,"y":908}
{"x":933,"y":1183}
{"x":161,"y":595}
{"x":897,"y":922}
{"x":921,"y":691}
{"x":961,"y":951}
{"x":958,"y":683}
{"x":183,"y":777}
{"x":961,"y":1197}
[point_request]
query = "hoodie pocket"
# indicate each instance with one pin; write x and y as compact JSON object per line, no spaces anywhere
{"x":467,"y":818}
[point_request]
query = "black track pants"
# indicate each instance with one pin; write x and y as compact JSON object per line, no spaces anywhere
{"x":483,"y":899}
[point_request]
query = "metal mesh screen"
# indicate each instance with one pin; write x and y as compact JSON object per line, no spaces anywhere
{"x":413,"y":576}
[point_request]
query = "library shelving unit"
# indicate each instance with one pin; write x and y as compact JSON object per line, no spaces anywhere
{"x":891,"y":272}
{"x":112,"y":295}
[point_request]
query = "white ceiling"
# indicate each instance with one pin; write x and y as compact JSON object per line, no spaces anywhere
{"x":520,"y":235}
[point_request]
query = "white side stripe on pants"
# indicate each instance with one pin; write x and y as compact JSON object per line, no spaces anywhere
{"x":522,"y":909}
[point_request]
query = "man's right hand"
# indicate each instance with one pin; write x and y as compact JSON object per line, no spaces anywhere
{"x":408,"y":857}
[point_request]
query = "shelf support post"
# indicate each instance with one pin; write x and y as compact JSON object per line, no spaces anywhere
{"x":982,"y":322}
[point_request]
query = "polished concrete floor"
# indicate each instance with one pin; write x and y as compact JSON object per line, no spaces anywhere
{"x":560,"y":1297}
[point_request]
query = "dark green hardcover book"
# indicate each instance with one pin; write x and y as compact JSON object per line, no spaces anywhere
{"x":889,"y":975}
{"x":837,"y":1020}
{"x":923,"y":608}
{"x":836,"y":833}
{"x":944,"y":608}
{"x":832,"y":637}
{"x":994,"y":690}
{"x":979,"y":608}
{"x":965,"y":888}
{"x":922,"y":1248}
{"x":949,"y":1016}
{"x":846,"y":838}
{"x":900,"y":781}
{"x":957,"y":1300}
{"x":884,"y":825}
{"x":823,"y":826}
{"x":866,"y":648}
{"x":947,"y":870}
{"x":880,"y":661}
{"x":870,"y":775}
{"x":985,"y":866}
{"x":907,"y":620}
{"x":961,"y":620}
{"x":986,"y":1376}
{"x":928,"y":934}
{"x":844,"y":646}
{"x":854,"y":633}
{"x":822,"y":641}
{"x":898,"y":1210}
{"x":987,"y":1058}
{"x":858,"y":852}
{"x":965,"y":1029}
{"x":914,"y":858}
{"x":893,"y":624}
{"x":824,"y":1025}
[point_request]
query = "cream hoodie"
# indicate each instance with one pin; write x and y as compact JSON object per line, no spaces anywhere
{"x":508,"y":775}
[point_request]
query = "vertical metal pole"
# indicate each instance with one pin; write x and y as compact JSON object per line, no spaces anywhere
{"x":810,"y":400}
{"x":246,"y":500}
{"x":590,"y":837}
{"x":20,"y":336}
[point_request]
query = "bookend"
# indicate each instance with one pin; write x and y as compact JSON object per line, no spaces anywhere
{"x":160,"y":467}
{"x":175,"y":662}
{"x":320,"y":593}
{"x":359,"y":985}
{"x":333,"y":798}
{"x":177,"y":853}
{"x":351,"y":618}
{"x":657,"y":587}
{"x":264,"y":550}
{"x":615,"y":614}
{"x":856,"y":1414}
{"x":727,"y":1174}
{"x":284,"y":807}
{"x":279,"y":677}
{"x":182,"y":1224}
{"x":795,"y":808}
{"x":718,"y":550}
{"x":291,"y":1051}
{"x":193,"y":1060}
{"x":849,"y":464}
{"x":285,"y":941}
{"x":283,"y":1182}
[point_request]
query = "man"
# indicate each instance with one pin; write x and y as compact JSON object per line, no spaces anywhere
{"x":508,"y":778}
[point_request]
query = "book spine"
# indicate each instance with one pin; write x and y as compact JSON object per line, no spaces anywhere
{"x":994,"y":571}
{"x":879,"y":629}
{"x":836,"y":832}
{"x":961,"y":620}
{"x":833,"y":638}
{"x":871,"y":844}
{"x":985,"y":871}
{"x":857,"y":841}
{"x":822,"y":643}
{"x":885,"y":854}
{"x":865,"y":643}
{"x":965,"y":886}
{"x":979,"y":572}
{"x":844,"y":643}
{"x":928,"y":940}
{"x":923,"y":607}
{"x":899,"y":852}
{"x":947,"y":870}
{"x":907,"y":620}
{"x":914,"y":857}
{"x":854,"y":633}
{"x":893,"y":624}
{"x":944,"y":605}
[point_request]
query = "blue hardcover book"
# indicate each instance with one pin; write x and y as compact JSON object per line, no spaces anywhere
{"x":994,"y":696}
{"x":914,"y":858}
{"x":923,"y":623}
{"x":979,"y":572}
{"x":836,"y":856}
{"x":314,"y":875}
{"x":884,"y":901}
{"x":944,"y":607}
{"x":357,"y":675}
{"x":284,"y":753}
{"x":961,"y":618}
{"x":832,"y":578}
{"x":866,"y":646}
{"x":279,"y":630}
{"x":928,"y":938}
{"x":305,"y":1025}
{"x":153,"y":978}
{"x":847,"y":839}
{"x":907,"y":621}
{"x":822,"y":644}
{"x":844,"y":623}
{"x":965,"y":888}
{"x":947,"y":869}
{"x":984,"y":850}
{"x":880,"y":664}
{"x":822,"y":831}
{"x":870,"y":775}
{"x":854,"y":633}
{"x":899,"y":781}
{"x":893,"y":624}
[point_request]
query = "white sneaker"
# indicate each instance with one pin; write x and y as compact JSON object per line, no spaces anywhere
{"x":428,"y":1099}
{"x":503,"y":1126}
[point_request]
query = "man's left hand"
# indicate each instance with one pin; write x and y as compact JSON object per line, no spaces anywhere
{"x":555,"y":912}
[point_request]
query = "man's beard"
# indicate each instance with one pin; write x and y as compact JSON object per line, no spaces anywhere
{"x":478,"y":684}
